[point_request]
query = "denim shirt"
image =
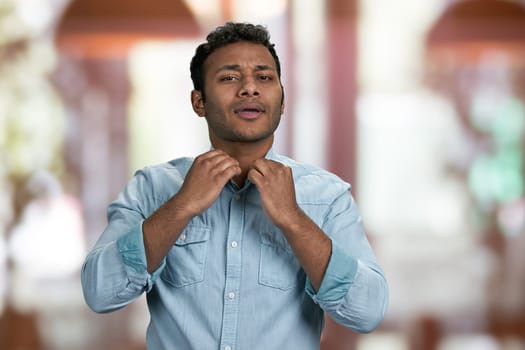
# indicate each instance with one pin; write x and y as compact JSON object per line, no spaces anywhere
{"x":231,"y":281}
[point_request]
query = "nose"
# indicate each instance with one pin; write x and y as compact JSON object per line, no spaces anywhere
{"x":249,"y":87}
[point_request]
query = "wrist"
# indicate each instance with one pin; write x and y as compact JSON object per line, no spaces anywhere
{"x":181,"y":209}
{"x":291,"y":220}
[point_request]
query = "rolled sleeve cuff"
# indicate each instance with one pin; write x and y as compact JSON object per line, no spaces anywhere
{"x":133,"y":253}
{"x":338,"y":278}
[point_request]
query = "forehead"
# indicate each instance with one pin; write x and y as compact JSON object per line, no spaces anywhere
{"x":242,"y":54}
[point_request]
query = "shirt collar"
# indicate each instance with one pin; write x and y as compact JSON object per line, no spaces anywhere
{"x":271,"y":155}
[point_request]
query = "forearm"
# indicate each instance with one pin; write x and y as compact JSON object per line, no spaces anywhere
{"x":353,"y":292}
{"x":201,"y":187}
{"x":162,"y":229}
{"x":129,"y":254}
{"x":311,"y":245}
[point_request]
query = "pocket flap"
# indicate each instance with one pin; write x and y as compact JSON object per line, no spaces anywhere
{"x":193,"y":234}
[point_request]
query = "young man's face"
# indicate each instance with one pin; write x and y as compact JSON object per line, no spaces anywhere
{"x":243,"y":94}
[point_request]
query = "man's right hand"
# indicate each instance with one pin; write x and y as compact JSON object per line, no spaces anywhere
{"x":202,"y":185}
{"x":205,"y":180}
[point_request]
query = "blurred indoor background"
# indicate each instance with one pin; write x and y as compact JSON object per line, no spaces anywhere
{"x":419,"y":104}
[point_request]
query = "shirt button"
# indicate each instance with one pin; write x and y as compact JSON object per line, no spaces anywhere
{"x":234,"y":244}
{"x":237,"y":197}
{"x":183,"y":237}
{"x":231,"y":295}
{"x":227,"y":347}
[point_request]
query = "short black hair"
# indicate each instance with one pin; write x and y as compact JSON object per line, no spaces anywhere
{"x":224,"y":35}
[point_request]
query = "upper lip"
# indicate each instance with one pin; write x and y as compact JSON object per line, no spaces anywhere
{"x":248,"y":106}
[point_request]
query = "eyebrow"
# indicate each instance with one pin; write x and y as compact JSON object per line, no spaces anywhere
{"x":236,"y":67}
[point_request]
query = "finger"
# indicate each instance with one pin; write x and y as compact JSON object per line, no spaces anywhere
{"x":269,"y":167}
{"x":210,"y":154}
{"x":215,"y":160}
{"x":214,"y":157}
{"x":232,"y":171}
{"x":262,"y":165}
{"x":255,"y":176}
{"x":226,"y":163}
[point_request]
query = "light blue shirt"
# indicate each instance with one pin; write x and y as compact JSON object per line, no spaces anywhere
{"x":231,"y":281}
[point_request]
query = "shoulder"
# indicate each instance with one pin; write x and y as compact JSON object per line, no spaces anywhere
{"x":174,"y":168}
{"x":163,"y":177}
{"x":313,"y":183}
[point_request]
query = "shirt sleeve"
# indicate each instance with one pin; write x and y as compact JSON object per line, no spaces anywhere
{"x":133,"y":254}
{"x":354,"y":290}
{"x":338,"y":277}
{"x":114,"y":272}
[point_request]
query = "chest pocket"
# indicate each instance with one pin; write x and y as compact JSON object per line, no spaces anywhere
{"x":278,"y":266}
{"x":186,"y":260}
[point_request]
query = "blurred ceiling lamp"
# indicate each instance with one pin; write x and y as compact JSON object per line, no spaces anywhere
{"x":109,"y":28}
{"x":471,"y":27}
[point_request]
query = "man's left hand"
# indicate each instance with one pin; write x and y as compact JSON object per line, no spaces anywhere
{"x":275,"y":183}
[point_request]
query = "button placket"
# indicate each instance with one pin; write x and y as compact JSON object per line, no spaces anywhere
{"x":233,"y":272}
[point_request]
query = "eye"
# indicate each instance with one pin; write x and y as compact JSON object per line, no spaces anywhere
{"x":265,"y":77}
{"x":229,"y":78}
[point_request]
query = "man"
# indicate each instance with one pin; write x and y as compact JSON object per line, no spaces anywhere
{"x":240,"y":248}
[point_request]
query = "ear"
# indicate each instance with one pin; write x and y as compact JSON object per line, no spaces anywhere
{"x":197,"y":103}
{"x":282,"y":99}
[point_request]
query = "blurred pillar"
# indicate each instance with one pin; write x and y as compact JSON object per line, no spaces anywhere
{"x":341,"y":37}
{"x":342,"y":89}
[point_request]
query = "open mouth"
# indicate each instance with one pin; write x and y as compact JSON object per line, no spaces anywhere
{"x":249,"y":111}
